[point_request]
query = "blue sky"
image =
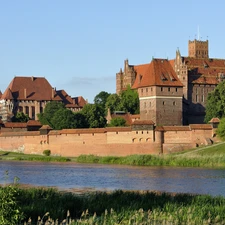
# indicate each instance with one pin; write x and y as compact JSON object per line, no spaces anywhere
{"x":80,"y":45}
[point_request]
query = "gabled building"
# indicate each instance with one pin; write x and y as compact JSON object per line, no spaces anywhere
{"x":30,"y":96}
{"x":199,"y":75}
{"x":159,"y":89}
{"x":174,"y":92}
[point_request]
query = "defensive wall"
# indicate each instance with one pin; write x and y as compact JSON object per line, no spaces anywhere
{"x":109,"y":141}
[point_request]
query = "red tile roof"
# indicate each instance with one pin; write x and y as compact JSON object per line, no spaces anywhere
{"x":21,"y":133}
{"x":143,"y":122}
{"x":176,"y":128}
{"x":83,"y":131}
{"x":33,"y":123}
{"x":67,"y":100}
{"x":7,"y":94}
{"x":125,"y":116}
{"x":214,"y":120}
{"x":79,"y":101}
{"x":45,"y":127}
{"x":135,"y":116}
{"x":30,"y":88}
{"x":118,"y":129}
{"x":158,"y":73}
{"x":200,"y":126}
{"x":203,"y":70}
{"x":15,"y":125}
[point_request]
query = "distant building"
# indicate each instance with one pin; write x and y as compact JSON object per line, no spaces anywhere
{"x":129,"y":118}
{"x":174,"y":92}
{"x":30,"y":96}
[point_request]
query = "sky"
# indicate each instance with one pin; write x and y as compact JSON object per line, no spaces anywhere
{"x":80,"y":45}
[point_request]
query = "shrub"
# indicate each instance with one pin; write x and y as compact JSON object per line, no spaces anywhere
{"x":47,"y":152}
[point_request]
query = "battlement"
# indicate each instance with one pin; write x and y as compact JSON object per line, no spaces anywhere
{"x":198,"y":49}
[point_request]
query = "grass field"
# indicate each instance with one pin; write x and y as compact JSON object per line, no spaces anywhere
{"x":209,"y":156}
{"x":119,"y":207}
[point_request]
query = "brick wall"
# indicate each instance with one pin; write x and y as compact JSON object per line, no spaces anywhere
{"x":118,"y":142}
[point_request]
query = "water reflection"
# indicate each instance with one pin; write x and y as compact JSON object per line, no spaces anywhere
{"x":111,"y":177}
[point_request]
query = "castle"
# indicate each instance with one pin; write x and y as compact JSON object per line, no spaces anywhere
{"x":30,"y":96}
{"x":174,"y":92}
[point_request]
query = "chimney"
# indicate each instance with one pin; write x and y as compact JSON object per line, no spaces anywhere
{"x":25,"y":93}
{"x":32,"y":78}
{"x":53,"y":92}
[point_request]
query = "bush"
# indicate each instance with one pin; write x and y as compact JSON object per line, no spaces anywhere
{"x":10,"y":213}
{"x":47,"y":152}
{"x":221,"y":129}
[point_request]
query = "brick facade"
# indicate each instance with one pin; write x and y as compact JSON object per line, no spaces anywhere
{"x":108,"y":141}
{"x":30,"y":96}
{"x":166,"y":103}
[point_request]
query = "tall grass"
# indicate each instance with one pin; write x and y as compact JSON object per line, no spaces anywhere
{"x":162,"y":160}
{"x":122,"y":207}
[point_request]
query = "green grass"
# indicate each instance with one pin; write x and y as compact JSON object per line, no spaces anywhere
{"x":6,"y":155}
{"x":122,"y":207}
{"x":210,"y":156}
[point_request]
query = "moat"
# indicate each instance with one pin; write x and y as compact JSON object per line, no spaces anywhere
{"x":91,"y":177}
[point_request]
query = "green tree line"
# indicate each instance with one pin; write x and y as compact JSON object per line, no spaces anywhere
{"x":93,"y":115}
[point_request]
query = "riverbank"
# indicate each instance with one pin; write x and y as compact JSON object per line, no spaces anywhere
{"x":208,"y":157}
{"x":120,"y":207}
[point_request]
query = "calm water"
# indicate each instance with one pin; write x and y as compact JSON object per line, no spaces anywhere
{"x":66,"y":176}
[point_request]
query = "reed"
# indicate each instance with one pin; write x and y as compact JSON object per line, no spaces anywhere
{"x":121,"y":207}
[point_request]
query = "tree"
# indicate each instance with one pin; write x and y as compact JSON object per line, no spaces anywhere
{"x":95,"y":116}
{"x":221,"y":129}
{"x":117,"y":122}
{"x":50,"y":109}
{"x":20,"y":117}
{"x":130,"y":101}
{"x":114,"y":103}
{"x":80,"y":120}
{"x":215,"y":104}
{"x":101,"y":98}
{"x":63,"y":119}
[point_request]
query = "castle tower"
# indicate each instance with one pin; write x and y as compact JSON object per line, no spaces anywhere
{"x":198,"y":49}
{"x":123,"y":79}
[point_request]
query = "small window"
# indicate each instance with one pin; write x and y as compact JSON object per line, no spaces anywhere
{"x":163,"y":103}
{"x":176,"y":89}
{"x":146,"y":89}
{"x":174,"y":103}
{"x":168,"y":89}
{"x":151,"y":89}
{"x":161,"y":88}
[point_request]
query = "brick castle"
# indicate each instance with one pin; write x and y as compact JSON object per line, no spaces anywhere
{"x":174,"y":92}
{"x":171,"y":93}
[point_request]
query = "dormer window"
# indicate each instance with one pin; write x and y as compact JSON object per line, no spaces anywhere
{"x":140,"y":78}
{"x":163,"y":78}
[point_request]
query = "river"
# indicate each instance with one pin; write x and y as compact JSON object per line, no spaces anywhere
{"x":75,"y":176}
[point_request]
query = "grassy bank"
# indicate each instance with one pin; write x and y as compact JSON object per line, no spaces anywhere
{"x":5,"y":155}
{"x":121,"y":207}
{"x":210,"y":156}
